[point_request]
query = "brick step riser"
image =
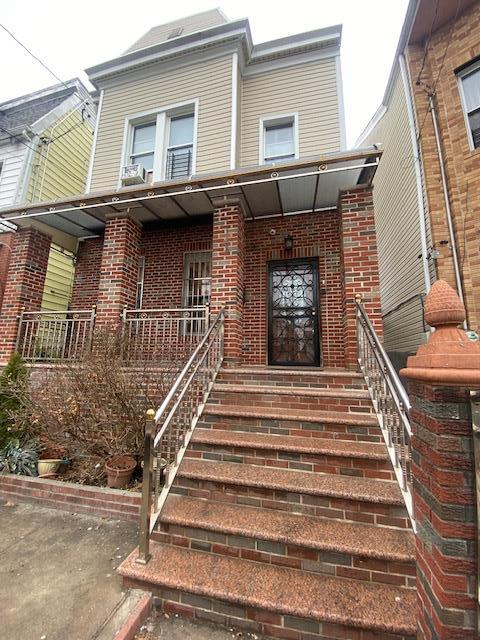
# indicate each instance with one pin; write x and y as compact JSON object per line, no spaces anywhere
{"x":251,"y":620}
{"x":332,"y":563}
{"x":270,"y":380}
{"x":302,"y":403}
{"x":348,"y":509}
{"x":319,"y":463}
{"x":333,"y":431}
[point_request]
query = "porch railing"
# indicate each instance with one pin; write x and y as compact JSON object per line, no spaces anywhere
{"x":51,"y":336}
{"x":163,"y":334}
{"x":169,"y":430}
{"x":390,"y":401}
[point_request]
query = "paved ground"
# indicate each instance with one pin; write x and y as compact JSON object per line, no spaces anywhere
{"x":175,"y":628}
{"x":57,"y":573}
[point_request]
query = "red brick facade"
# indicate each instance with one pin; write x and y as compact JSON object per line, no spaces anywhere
{"x":87,"y":274}
{"x":359,"y":265}
{"x":6,"y":241}
{"x":24,"y":284}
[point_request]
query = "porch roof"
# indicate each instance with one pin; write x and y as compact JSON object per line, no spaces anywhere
{"x":270,"y":190}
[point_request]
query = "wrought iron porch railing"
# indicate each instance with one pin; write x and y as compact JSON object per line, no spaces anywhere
{"x":162,"y":334}
{"x":390,"y":401}
{"x":168,"y":431}
{"x":51,"y":336}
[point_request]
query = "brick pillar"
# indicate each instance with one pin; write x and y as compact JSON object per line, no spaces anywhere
{"x":359,"y":265}
{"x":24,"y":283}
{"x":6,"y":241}
{"x":118,"y":269}
{"x":228,"y":258}
{"x":440,"y":377}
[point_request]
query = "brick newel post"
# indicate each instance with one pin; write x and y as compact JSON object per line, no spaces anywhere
{"x":359,"y":265}
{"x":228,"y":258}
{"x":440,"y":378}
{"x":119,"y":269}
{"x":24,"y":284}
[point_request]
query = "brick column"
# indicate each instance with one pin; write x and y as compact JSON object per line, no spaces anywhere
{"x":228,"y":258}
{"x":359,"y":265}
{"x":6,"y":241}
{"x":24,"y":283}
{"x":441,"y":376}
{"x":118,"y":269}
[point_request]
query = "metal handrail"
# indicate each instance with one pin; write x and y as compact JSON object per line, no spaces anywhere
{"x":169,"y":430}
{"x":390,"y":401}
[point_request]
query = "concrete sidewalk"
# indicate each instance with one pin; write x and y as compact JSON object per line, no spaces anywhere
{"x":58,"y":573}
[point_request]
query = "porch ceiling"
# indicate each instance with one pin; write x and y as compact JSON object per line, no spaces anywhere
{"x":282,"y":189}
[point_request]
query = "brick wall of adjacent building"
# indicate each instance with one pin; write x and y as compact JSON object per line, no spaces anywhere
{"x":6,"y":240}
{"x":314,"y":235}
{"x":87,"y":274}
{"x":450,"y":47}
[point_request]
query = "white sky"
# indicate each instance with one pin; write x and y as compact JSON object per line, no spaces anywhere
{"x":71,"y":36}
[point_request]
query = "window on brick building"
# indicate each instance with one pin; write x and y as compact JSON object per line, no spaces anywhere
{"x":278,"y":138}
{"x":197,"y":278}
{"x":140,"y":279}
{"x":470,"y":90}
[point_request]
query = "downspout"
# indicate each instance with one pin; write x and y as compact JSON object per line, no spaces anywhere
{"x":418,"y":172}
{"x":448,"y":210}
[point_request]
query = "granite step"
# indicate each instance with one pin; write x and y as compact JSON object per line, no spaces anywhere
{"x":303,"y":398}
{"x":320,"y":494}
{"x":306,"y":454}
{"x":277,"y":599}
{"x":331,"y":547}
{"x":292,"y":422}
{"x":314,"y":378}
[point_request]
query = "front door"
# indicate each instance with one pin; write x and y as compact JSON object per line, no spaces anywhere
{"x":293,"y":328}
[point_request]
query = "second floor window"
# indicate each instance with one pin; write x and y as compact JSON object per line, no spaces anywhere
{"x":143,"y":147}
{"x":180,"y":146}
{"x":278,"y":139}
{"x":470,"y":88}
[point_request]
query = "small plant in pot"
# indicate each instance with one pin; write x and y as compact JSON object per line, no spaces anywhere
{"x":50,"y":458}
{"x":119,"y":470}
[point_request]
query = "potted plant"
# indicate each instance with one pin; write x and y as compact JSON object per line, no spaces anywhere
{"x":119,"y":470}
{"x":50,"y":458}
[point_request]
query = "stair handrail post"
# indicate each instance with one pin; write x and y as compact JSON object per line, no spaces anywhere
{"x":19,"y":329}
{"x":146,"y":504}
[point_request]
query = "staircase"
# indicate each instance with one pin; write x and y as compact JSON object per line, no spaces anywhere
{"x":285,"y":518}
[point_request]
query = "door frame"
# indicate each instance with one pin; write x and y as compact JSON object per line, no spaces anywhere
{"x":316,"y":306}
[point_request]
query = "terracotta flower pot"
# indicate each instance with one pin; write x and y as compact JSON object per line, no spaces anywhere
{"x":119,"y":471}
{"x":48,"y":467}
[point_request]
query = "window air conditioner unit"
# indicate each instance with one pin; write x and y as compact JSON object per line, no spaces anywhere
{"x":133,"y":174}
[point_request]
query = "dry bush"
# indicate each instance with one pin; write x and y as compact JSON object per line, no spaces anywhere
{"x":95,"y":407}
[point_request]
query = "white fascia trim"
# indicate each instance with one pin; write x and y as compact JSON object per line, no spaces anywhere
{"x":465,"y":72}
{"x":380,"y":112}
{"x":26,"y":171}
{"x":261,"y":135}
{"x":418,"y":171}
{"x":161,"y":114}
{"x":94,"y":144}
{"x":233,"y":125}
{"x":255,"y":68}
{"x":341,"y":105}
{"x":54,"y":115}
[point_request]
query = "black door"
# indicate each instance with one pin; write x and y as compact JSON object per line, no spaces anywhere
{"x":293,"y":328}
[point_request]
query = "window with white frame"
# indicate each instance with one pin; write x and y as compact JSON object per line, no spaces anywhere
{"x":163,"y":142}
{"x":470,"y":89}
{"x":278,"y":138}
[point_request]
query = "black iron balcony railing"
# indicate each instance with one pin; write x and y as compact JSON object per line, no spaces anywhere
{"x":179,"y":162}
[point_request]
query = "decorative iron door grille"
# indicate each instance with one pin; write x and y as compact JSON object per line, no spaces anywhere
{"x":293,"y":329}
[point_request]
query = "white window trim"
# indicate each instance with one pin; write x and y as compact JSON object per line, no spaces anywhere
{"x":273,"y":119}
{"x":160,"y":115}
{"x":465,"y":72}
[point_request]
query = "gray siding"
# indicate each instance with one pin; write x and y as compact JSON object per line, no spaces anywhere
{"x":397,"y":226}
{"x":12,"y":156}
{"x":154,"y":88}
{"x":309,"y":89}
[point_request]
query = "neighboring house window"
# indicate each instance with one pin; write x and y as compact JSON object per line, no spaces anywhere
{"x":163,"y":142}
{"x":197,"y":278}
{"x":278,"y":138}
{"x":140,"y":279}
{"x":143,"y":147}
{"x":470,"y":90}
{"x":180,"y":146}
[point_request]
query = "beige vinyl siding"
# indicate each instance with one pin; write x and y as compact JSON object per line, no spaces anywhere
{"x":58,"y":280}
{"x":308,"y":89}
{"x":397,"y":226}
{"x":152,"y":89}
{"x":189,"y":24}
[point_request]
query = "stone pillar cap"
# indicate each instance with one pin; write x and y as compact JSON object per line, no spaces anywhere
{"x":449,"y":356}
